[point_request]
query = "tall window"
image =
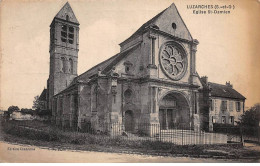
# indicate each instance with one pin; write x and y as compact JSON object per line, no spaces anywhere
{"x":63,"y":64}
{"x":211,"y":105}
{"x":61,"y":106}
{"x":232,"y":120}
{"x":238,"y":106}
{"x":64,"y":33}
{"x":224,"y":106}
{"x":196,"y":111}
{"x":231,"y":105}
{"x":67,"y":34}
{"x":95,"y":98}
{"x":71,"y":66}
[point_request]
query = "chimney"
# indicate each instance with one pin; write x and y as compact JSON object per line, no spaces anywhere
{"x":205,"y":79}
{"x":229,"y":85}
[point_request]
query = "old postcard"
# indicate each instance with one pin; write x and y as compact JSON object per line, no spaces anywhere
{"x":129,"y":81}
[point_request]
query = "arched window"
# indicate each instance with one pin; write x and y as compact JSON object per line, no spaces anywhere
{"x":71,"y":66}
{"x":67,"y":18}
{"x":174,"y":26}
{"x":95,"y":98}
{"x":63,"y":64}
{"x":128,"y":94}
{"x":128,"y":66}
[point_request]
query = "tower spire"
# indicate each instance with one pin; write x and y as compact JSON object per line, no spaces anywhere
{"x":66,"y":13}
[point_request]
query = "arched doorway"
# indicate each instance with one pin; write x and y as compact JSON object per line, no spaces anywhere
{"x":174,"y":111}
{"x":129,"y":121}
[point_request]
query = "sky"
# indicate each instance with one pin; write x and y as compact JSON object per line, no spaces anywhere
{"x":229,"y":48}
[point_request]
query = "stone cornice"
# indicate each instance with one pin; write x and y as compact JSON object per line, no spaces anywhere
{"x":63,"y":21}
{"x":59,"y":46}
{"x":158,"y":81}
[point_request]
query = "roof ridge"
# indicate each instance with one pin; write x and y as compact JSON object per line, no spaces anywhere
{"x":217,"y":84}
{"x":225,"y":91}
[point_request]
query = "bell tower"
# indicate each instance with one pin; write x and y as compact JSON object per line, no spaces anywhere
{"x":64,"y":44}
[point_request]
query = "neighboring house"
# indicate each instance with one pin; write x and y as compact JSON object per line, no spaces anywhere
{"x":43,"y":100}
{"x":2,"y":113}
{"x":225,"y":104}
{"x":151,"y":81}
{"x":17,"y":115}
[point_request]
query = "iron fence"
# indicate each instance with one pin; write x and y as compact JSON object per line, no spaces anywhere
{"x":180,"y":134}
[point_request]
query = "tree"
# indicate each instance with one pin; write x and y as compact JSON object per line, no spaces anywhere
{"x":27,"y":111}
{"x":251,"y":117}
{"x":12,"y":108}
{"x":37,"y":104}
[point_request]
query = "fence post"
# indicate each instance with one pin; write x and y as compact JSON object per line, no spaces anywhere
{"x":241,"y":135}
{"x":258,"y":134}
{"x":182,"y":135}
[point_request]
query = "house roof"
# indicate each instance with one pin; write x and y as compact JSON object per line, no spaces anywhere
{"x":226,"y":91}
{"x":43,"y":95}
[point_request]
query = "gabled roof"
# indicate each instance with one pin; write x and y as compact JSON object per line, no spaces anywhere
{"x":65,"y":11}
{"x":219,"y":90}
{"x":152,"y":23}
{"x":143,"y":27}
{"x":43,"y":96}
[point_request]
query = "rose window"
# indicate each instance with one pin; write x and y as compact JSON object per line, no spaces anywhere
{"x":173,"y":61}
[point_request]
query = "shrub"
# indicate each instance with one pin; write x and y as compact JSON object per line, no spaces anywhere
{"x":226,"y":128}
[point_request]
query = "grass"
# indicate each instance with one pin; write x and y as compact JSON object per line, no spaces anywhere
{"x":54,"y":138}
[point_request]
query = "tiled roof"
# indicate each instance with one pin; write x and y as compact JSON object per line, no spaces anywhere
{"x":219,"y":90}
{"x":43,"y":95}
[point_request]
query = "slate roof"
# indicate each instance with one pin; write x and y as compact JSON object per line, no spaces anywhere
{"x":106,"y":65}
{"x":219,"y":90}
{"x":43,"y":95}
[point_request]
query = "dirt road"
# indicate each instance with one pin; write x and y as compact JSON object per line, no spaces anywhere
{"x":33,"y":154}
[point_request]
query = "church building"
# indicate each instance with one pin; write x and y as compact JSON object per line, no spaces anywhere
{"x":152,"y":80}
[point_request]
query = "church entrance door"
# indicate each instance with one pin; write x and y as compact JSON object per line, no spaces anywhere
{"x":167,"y":118}
{"x":174,"y":111}
{"x":129,"y":121}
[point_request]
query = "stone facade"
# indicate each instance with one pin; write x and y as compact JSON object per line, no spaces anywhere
{"x":153,"y":80}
